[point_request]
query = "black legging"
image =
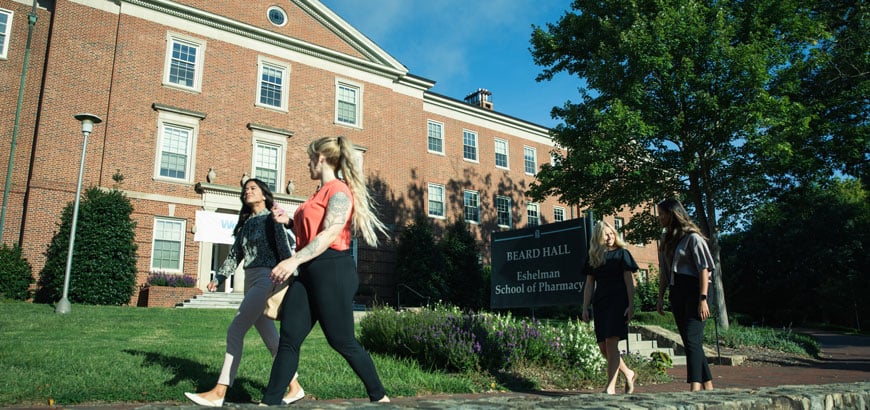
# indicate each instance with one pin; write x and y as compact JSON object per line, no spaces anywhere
{"x":323,"y":292}
{"x":684,"y":304}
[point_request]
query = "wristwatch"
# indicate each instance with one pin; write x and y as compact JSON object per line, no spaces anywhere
{"x":702,"y":298}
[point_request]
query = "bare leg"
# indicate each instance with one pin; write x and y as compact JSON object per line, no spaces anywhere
{"x":708,"y":385}
{"x":611,"y":353}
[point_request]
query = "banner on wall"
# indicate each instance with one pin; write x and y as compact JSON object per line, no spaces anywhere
{"x":215,"y":227}
{"x":539,"y":266}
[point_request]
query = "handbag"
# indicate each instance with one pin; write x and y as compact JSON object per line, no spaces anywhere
{"x":273,"y":303}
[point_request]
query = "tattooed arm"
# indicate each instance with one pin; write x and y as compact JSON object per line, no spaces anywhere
{"x":338,"y":212}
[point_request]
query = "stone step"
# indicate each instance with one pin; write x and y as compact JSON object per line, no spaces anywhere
{"x":214,"y":300}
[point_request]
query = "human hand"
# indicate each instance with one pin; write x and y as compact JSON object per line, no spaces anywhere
{"x":212,"y":286}
{"x":585,"y":315}
{"x":703,"y":310}
{"x":660,"y":306}
{"x":629,"y":313}
{"x":280,"y":215}
{"x":284,"y":270}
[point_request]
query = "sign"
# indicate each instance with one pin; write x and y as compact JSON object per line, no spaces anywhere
{"x":215,"y":227}
{"x":539,"y":266}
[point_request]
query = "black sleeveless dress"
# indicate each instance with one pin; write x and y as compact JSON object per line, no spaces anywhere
{"x":610,"y":298}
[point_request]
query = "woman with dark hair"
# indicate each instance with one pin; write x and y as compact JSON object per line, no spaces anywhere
{"x":686,"y":265}
{"x":252,"y":244}
{"x":609,"y":273}
{"x":328,"y":278}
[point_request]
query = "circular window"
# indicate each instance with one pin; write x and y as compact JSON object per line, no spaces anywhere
{"x":277,"y":16}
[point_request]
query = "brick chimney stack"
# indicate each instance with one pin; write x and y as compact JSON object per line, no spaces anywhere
{"x":481,"y":98}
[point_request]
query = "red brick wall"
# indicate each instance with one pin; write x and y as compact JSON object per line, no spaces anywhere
{"x":164,"y":296}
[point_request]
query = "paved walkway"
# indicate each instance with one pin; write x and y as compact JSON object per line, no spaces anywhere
{"x":845,"y":359}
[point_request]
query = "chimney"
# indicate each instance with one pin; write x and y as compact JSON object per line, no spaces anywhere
{"x":481,"y":98}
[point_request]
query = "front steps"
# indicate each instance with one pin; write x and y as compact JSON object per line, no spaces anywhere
{"x":643,"y":348}
{"x":213,"y":300}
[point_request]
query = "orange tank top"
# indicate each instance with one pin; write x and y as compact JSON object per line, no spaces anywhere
{"x":308,"y":219}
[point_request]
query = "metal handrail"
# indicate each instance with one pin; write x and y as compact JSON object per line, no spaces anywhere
{"x":399,"y":299}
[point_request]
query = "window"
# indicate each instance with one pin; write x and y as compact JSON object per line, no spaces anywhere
{"x":436,"y":200}
{"x":435,"y":133}
{"x":533,"y":214}
{"x":184,"y":59}
{"x":272,"y":91}
{"x":5,"y":32}
{"x":530,"y":160}
{"x":175,"y":145}
{"x":503,"y":208}
{"x":501,"y":153}
{"x":167,"y":248}
{"x":268,"y":161}
{"x":469,"y":145}
{"x":558,"y":214}
{"x":348,"y":108}
{"x":471,"y":201}
{"x":618,"y":223}
{"x":277,"y":16}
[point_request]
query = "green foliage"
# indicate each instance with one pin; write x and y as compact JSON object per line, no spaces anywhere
{"x":446,"y":338}
{"x":420,"y":265}
{"x":661,"y":361}
{"x":646,"y":295}
{"x":809,"y":247}
{"x":462,"y":268}
{"x":104,"y":257}
{"x":15,"y":273}
{"x":171,"y":280}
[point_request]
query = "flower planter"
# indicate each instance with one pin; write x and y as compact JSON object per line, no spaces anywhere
{"x":166,"y":296}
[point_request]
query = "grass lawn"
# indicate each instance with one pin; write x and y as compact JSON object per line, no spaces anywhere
{"x":99,"y":354}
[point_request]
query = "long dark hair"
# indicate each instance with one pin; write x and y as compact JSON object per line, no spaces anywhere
{"x":680,"y":225}
{"x":246,"y":211}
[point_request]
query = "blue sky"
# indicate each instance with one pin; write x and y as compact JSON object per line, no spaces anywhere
{"x":464,"y":45}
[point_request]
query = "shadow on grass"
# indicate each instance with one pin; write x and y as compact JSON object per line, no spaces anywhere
{"x":184,"y":370}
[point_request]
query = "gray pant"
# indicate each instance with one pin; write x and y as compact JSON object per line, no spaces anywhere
{"x":258,"y":286}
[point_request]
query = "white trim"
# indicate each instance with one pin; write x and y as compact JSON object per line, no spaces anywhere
{"x":476,"y":116}
{"x":198,"y":64}
{"x":443,"y":142}
{"x":509,"y":211}
{"x":534,"y":160}
{"x":284,"y":68}
{"x":443,"y":201}
{"x":464,"y":215}
{"x":559,"y":208}
{"x":179,"y":121}
{"x":476,"y":159}
{"x":283,"y":13}
{"x":260,"y":137}
{"x":358,"y":87}
{"x":4,"y":52}
{"x":537,"y":208}
{"x":507,"y":153}
{"x":183,"y":223}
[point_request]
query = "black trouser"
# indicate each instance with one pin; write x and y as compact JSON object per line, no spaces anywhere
{"x":684,"y":304}
{"x":323,"y":292}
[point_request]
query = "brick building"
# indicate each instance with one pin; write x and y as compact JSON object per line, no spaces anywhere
{"x":240,"y":88}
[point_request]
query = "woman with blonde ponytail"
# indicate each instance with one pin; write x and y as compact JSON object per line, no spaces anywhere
{"x":328,"y":279}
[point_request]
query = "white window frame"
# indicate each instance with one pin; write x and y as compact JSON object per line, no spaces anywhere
{"x":443,"y":202}
{"x":558,"y":214}
{"x":618,"y":223}
{"x":536,"y":219}
{"x":440,"y":137}
{"x":168,"y":119}
{"x":262,"y":64}
{"x":4,"y":42}
{"x":171,"y":40}
{"x":533,"y":161}
{"x":277,"y":141}
{"x":471,"y":204}
{"x":358,"y":104}
{"x":498,"y":211}
{"x":182,"y":223}
{"x":507,"y":155}
{"x":476,"y":147}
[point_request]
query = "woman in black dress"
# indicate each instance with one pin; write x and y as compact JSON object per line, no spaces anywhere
{"x":610,"y":269}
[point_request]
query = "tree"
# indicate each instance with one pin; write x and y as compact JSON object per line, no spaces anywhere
{"x":419,"y":263}
{"x":807,"y":247}
{"x":681,"y":102}
{"x":103,"y":268}
{"x":15,"y":273}
{"x":466,"y":285}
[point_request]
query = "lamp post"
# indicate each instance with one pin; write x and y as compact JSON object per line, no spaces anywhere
{"x":88,"y":121}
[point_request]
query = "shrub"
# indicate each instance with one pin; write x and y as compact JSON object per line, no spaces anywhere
{"x":104,"y":257}
{"x":419,"y":264}
{"x":445,"y":337}
{"x":463,"y":271}
{"x":170,"y":279}
{"x":15,"y":273}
